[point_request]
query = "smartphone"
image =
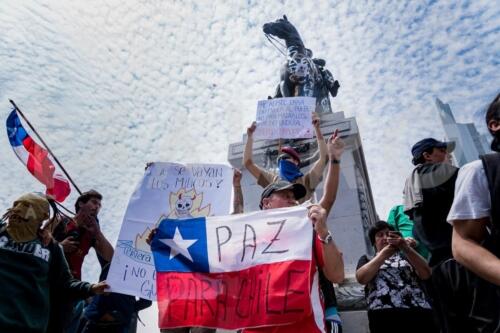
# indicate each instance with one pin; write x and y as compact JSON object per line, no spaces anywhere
{"x":395,"y":234}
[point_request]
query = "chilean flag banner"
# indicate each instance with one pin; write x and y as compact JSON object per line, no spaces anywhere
{"x":237,"y":271}
{"x":36,"y":159}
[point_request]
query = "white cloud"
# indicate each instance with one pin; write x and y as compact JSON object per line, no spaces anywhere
{"x":112,"y":85}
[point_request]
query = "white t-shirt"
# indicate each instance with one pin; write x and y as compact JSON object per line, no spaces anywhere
{"x":472,"y":196}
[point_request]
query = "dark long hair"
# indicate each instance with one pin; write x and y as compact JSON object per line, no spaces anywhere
{"x":493,"y":113}
{"x":376,"y":227}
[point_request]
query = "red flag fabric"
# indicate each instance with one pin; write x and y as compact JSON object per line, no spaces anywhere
{"x":36,"y":159}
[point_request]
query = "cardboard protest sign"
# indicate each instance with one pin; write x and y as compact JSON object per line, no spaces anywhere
{"x":286,"y":118}
{"x":236,"y":271}
{"x":167,"y":190}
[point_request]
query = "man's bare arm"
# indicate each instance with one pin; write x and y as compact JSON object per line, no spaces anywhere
{"x":467,"y":249}
{"x":103,"y":246}
{"x":319,"y":166}
{"x":248,"y":152}
{"x":333,"y":261}
{"x":335,"y":148}
{"x":238,"y":194}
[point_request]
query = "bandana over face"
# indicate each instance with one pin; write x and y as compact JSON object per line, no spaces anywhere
{"x":289,"y":171}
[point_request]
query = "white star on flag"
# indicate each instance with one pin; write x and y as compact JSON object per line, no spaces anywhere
{"x":178,"y":245}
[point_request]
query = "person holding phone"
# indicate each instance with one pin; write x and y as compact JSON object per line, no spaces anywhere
{"x":392,"y":278}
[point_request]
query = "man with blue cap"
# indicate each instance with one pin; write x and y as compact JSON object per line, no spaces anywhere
{"x":428,"y":195}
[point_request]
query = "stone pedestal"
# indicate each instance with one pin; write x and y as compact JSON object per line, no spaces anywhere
{"x":354,"y":209}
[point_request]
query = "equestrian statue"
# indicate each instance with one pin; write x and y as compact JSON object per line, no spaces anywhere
{"x":302,"y":75}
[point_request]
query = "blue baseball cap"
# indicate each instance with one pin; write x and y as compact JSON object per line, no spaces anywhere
{"x":420,"y":147}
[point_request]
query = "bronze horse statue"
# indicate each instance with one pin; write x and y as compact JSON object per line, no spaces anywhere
{"x":301,"y":75}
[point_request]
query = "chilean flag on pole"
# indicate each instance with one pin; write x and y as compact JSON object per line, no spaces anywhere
{"x":36,"y":159}
{"x":237,"y":271}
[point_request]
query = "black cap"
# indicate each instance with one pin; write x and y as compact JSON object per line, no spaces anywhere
{"x":299,"y":191}
{"x":420,"y":147}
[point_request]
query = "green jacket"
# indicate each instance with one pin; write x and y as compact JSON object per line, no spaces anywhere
{"x":402,"y":223}
{"x":28,"y":272}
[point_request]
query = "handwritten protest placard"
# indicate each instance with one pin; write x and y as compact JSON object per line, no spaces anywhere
{"x":167,"y":190}
{"x":286,"y":118}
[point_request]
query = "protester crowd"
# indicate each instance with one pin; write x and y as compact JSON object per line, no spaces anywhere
{"x":434,"y":267}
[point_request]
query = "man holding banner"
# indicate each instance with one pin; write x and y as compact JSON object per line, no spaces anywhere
{"x":288,"y":162}
{"x":257,"y":271}
{"x":325,"y":252}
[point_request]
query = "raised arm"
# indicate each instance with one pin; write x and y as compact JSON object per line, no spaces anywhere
{"x":103,"y":247}
{"x":319,"y":166}
{"x":248,"y":152}
{"x":333,"y":262}
{"x":467,"y":249}
{"x":335,"y":148}
{"x":238,"y":194}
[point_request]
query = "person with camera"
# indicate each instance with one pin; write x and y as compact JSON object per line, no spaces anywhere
{"x":395,"y":300}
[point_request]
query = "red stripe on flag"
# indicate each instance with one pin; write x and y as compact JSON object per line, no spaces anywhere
{"x":61,"y":188}
{"x":264,"y":295}
{"x":39,"y":163}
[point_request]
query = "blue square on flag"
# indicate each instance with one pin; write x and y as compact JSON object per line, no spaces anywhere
{"x":181,"y":246}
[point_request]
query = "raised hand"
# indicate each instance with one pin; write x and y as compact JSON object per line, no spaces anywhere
{"x":396,"y":241}
{"x":251,"y":129}
{"x":236,"y":177}
{"x":318,"y":215}
{"x":86,"y":221}
{"x":315,"y":120}
{"x":335,"y":146}
{"x":151,"y":235}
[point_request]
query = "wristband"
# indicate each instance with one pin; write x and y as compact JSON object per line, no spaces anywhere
{"x":335,"y":161}
{"x":328,"y":238}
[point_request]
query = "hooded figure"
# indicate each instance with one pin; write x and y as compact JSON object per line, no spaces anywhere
{"x":26,"y":216}
{"x":32,"y":266}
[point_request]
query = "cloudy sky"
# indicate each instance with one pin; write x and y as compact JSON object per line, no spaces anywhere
{"x":114,"y":84}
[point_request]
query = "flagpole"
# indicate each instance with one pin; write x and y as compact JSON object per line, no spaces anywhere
{"x":45,"y":145}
